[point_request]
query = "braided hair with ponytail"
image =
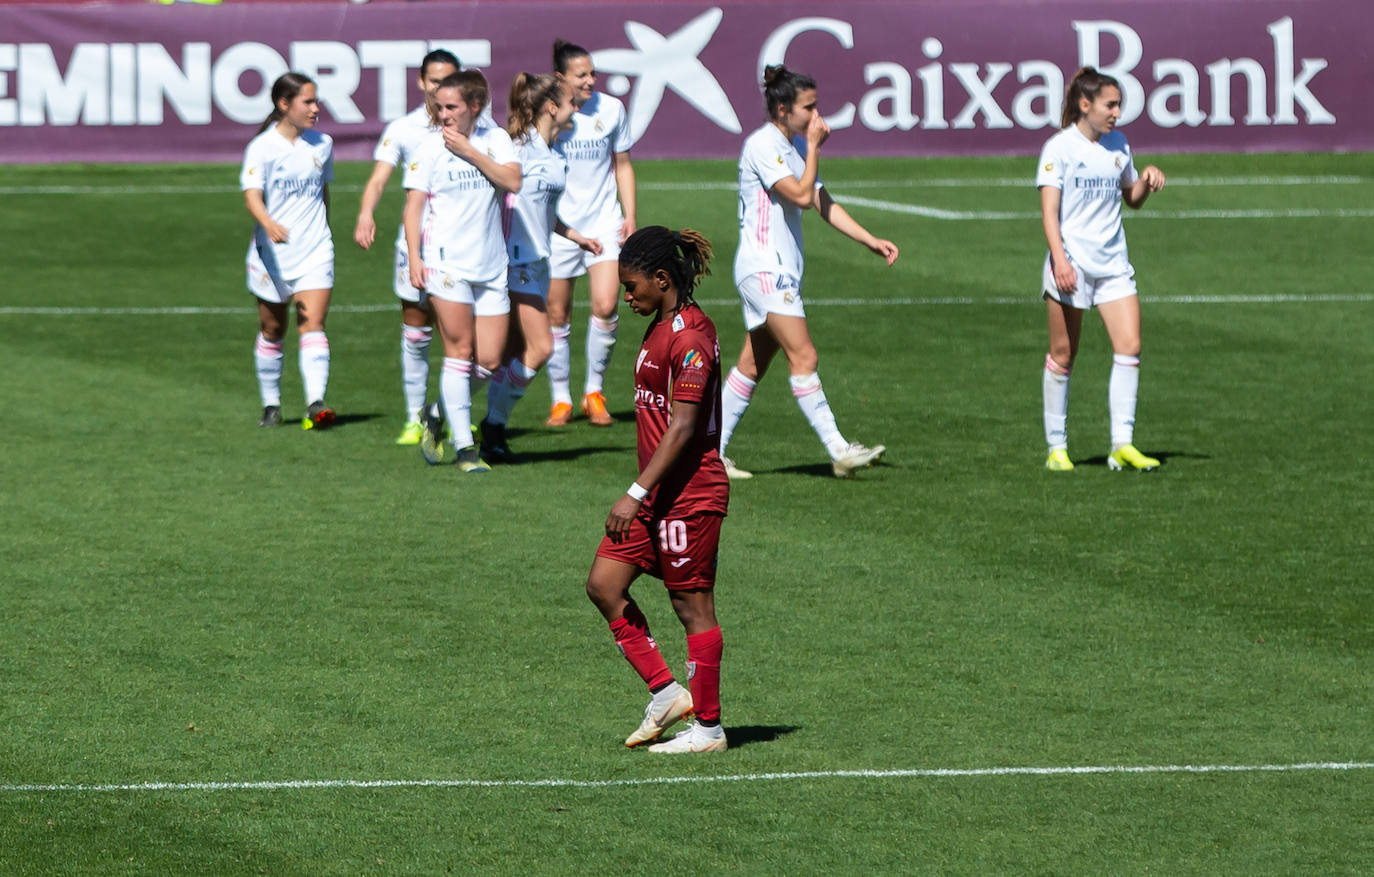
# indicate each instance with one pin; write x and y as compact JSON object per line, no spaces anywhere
{"x":684,"y":254}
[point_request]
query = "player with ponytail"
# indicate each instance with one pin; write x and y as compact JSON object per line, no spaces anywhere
{"x":285,"y":179}
{"x":667,"y":523}
{"x":539,"y":107}
{"x":1085,"y":174}
{"x":600,"y":202}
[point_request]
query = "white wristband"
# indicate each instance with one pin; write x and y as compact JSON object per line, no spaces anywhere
{"x":637,"y":491}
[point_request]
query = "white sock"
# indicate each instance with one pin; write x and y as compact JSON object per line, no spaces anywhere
{"x":268,"y":358}
{"x":1121,"y":397}
{"x":518,"y":377}
{"x":734,"y":401}
{"x":498,"y":392}
{"x":415,"y":367}
{"x":600,"y":344}
{"x":811,"y":400}
{"x":314,"y":365}
{"x":560,"y":364}
{"x":455,"y":389}
{"x":1055,"y":390}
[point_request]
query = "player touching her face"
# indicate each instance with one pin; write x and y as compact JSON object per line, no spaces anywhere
{"x":779,"y":178}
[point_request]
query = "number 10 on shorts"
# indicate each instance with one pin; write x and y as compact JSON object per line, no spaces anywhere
{"x":672,"y":536}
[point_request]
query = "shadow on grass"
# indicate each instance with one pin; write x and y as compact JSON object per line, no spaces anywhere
{"x":818,"y":470}
{"x":745,"y":735}
{"x":526,"y":457}
{"x":1162,"y":456}
{"x":341,"y":420}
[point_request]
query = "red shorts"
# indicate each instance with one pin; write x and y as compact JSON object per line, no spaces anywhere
{"x":680,"y":551}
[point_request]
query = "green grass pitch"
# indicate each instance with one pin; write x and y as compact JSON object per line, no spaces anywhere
{"x":957,"y":663}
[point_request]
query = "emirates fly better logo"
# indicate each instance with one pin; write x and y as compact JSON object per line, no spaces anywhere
{"x":661,"y":63}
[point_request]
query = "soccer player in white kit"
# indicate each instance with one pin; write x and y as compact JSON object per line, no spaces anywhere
{"x":778,"y":179}
{"x":540,"y":106}
{"x":285,"y":180}
{"x":601,"y":181}
{"x":398,"y":144}
{"x":455,"y":186}
{"x":1085,"y":173}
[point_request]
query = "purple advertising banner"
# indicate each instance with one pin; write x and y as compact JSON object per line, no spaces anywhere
{"x":189,"y":82}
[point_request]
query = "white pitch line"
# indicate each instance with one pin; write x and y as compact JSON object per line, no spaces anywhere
{"x":916,"y":773}
{"x":946,"y":301}
{"x":1026,"y":215}
{"x":726,"y":185}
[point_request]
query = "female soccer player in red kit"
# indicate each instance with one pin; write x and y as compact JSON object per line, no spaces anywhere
{"x":668,"y":522}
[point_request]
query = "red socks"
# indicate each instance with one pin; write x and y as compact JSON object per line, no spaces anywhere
{"x":703,"y":673}
{"x":632,"y":637}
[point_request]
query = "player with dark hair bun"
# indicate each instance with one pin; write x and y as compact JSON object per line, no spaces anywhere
{"x":779,"y":170}
{"x":599,"y":201}
{"x":668,"y":522}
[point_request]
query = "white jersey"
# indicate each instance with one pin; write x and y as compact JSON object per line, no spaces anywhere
{"x":400,"y":139}
{"x":292,"y":177}
{"x":770,"y":234}
{"x":461,"y":227}
{"x":530,"y":213}
{"x":600,"y":129}
{"x":1089,"y":176}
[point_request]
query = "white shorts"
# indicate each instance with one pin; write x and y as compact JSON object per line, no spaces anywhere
{"x":487,"y":299}
{"x":276,"y":290}
{"x":404,"y":291}
{"x":531,"y":279}
{"x":764,"y":294}
{"x":568,"y":260}
{"x":1091,"y":290}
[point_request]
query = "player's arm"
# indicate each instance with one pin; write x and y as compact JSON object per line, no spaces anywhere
{"x":681,"y":427}
{"x":505,"y":176}
{"x":802,"y":191}
{"x":847,"y":225}
{"x":1151,"y":180}
{"x":1065,"y":277}
{"x":624,"y":173}
{"x":324,"y":195}
{"x":365,"y":230}
{"x":590,"y":245}
{"x":414,"y":213}
{"x":276,"y":232}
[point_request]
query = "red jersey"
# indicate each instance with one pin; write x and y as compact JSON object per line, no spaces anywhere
{"x":680,"y":359}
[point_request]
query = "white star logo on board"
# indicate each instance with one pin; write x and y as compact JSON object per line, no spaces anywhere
{"x":662,"y":63}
